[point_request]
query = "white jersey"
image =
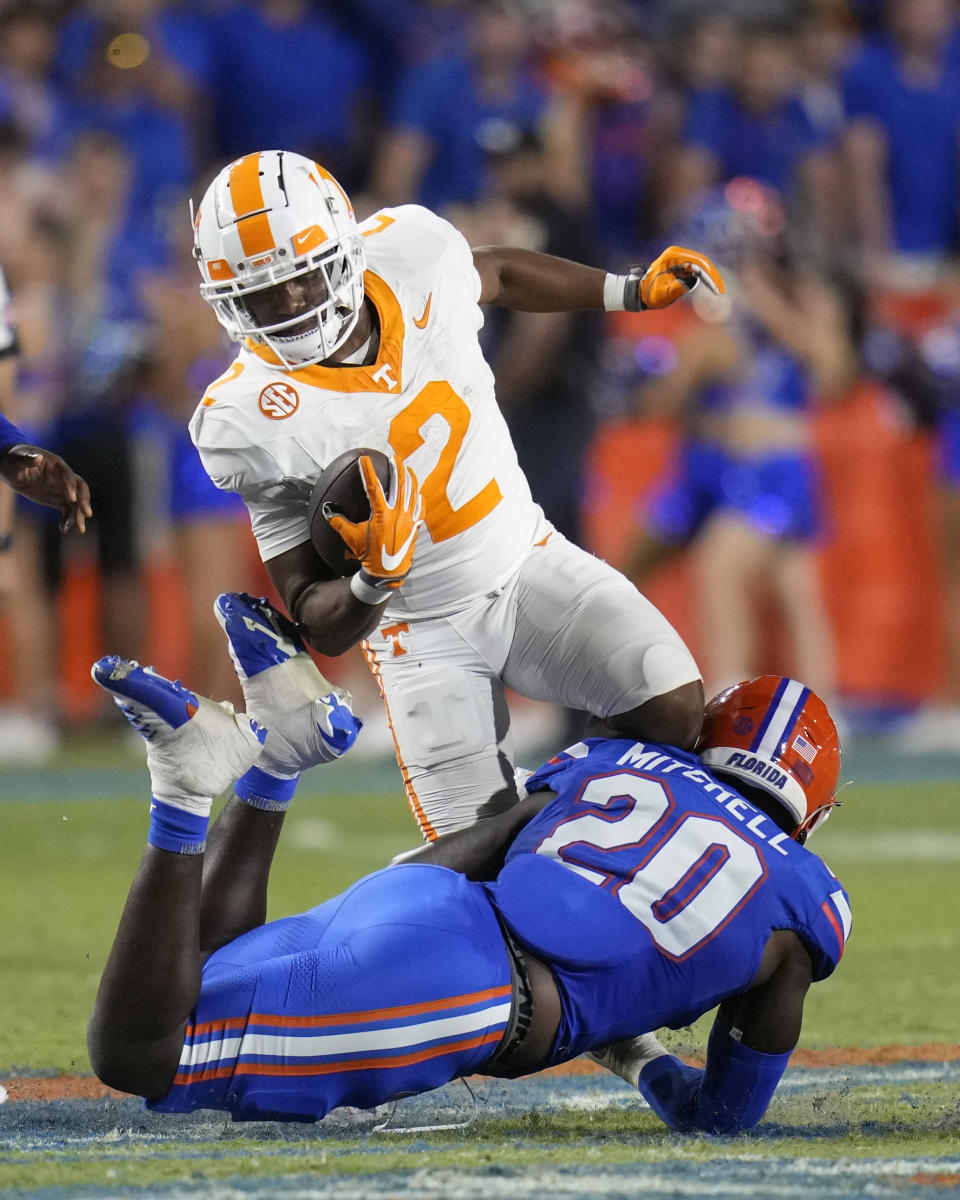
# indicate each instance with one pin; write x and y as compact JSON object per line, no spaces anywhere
{"x":267,"y":433}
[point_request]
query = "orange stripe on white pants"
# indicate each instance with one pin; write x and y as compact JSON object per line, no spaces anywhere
{"x":416,"y":808}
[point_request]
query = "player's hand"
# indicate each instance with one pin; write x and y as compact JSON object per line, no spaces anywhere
{"x":676,"y":272}
{"x":384,"y":544}
{"x":45,"y":478}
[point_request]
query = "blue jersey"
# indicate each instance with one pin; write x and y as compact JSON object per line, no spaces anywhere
{"x":10,"y":435}
{"x":651,"y":888}
{"x":777,"y":493}
{"x":772,"y":378}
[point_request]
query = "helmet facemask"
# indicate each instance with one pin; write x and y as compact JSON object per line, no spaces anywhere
{"x":281,"y":257}
{"x":302,"y":314}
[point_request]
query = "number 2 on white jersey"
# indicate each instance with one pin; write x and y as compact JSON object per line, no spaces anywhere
{"x":440,"y":517}
{"x":683,"y":883}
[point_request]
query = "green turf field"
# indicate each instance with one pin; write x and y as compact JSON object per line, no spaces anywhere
{"x":71,"y":838}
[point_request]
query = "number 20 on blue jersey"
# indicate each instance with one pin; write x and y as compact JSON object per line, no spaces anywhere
{"x":682,"y":875}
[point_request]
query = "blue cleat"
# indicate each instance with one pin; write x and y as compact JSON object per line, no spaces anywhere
{"x":310,"y":720}
{"x":195,"y":748}
{"x":151,"y":703}
{"x":258,"y":636}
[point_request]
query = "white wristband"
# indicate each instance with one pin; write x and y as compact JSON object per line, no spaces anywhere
{"x":366,"y":593}
{"x":613,"y":290}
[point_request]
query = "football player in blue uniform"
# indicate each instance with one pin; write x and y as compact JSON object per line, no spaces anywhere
{"x":635,"y":886}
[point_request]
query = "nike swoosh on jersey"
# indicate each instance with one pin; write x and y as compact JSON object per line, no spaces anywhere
{"x":390,"y":561}
{"x":421,"y":321}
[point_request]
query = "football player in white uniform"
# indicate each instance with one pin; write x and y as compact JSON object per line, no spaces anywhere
{"x":366,"y":335}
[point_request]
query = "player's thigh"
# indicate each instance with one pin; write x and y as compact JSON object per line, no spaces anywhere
{"x":585,"y":637}
{"x":399,"y":984}
{"x":450,"y":723}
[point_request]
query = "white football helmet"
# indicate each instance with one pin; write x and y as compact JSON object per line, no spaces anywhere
{"x":281,"y":257}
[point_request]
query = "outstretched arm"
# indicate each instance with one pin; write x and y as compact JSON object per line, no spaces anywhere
{"x":750,"y":1044}
{"x":479,"y":850}
{"x":45,"y":478}
{"x":532,"y":282}
{"x":38,"y":474}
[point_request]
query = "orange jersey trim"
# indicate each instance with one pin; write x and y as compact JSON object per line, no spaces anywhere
{"x":837,"y":928}
{"x":356,"y":379}
{"x":212,"y":1026}
{"x":380,"y":1014}
{"x":354,"y":1018}
{"x":383,"y":222}
{"x":235,"y":370}
{"x":339,"y":1066}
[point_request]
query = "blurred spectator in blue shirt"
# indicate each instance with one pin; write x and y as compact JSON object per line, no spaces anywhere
{"x":545,"y":364}
{"x":288,"y":76}
{"x":122,"y":81}
{"x":824,"y":40}
{"x":400,"y":34}
{"x":599,"y":61}
{"x":176,"y":32}
{"x":757,"y":128}
{"x":695,"y":53}
{"x":28,"y":98}
{"x":902,"y":95}
{"x":448,"y":109}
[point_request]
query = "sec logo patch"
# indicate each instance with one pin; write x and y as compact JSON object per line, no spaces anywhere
{"x":743,"y":726}
{"x":278,"y":401}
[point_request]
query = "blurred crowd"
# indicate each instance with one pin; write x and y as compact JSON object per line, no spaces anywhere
{"x":810,"y":146}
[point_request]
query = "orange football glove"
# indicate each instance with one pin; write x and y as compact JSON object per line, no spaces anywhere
{"x":384,"y":543}
{"x":676,"y":272}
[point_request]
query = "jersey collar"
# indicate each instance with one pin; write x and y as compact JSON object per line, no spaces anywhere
{"x":356,"y":378}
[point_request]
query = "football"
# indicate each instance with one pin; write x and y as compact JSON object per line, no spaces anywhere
{"x":340,"y":489}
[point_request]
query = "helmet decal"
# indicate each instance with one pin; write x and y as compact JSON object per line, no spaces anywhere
{"x":775,"y":734}
{"x":780,"y":718}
